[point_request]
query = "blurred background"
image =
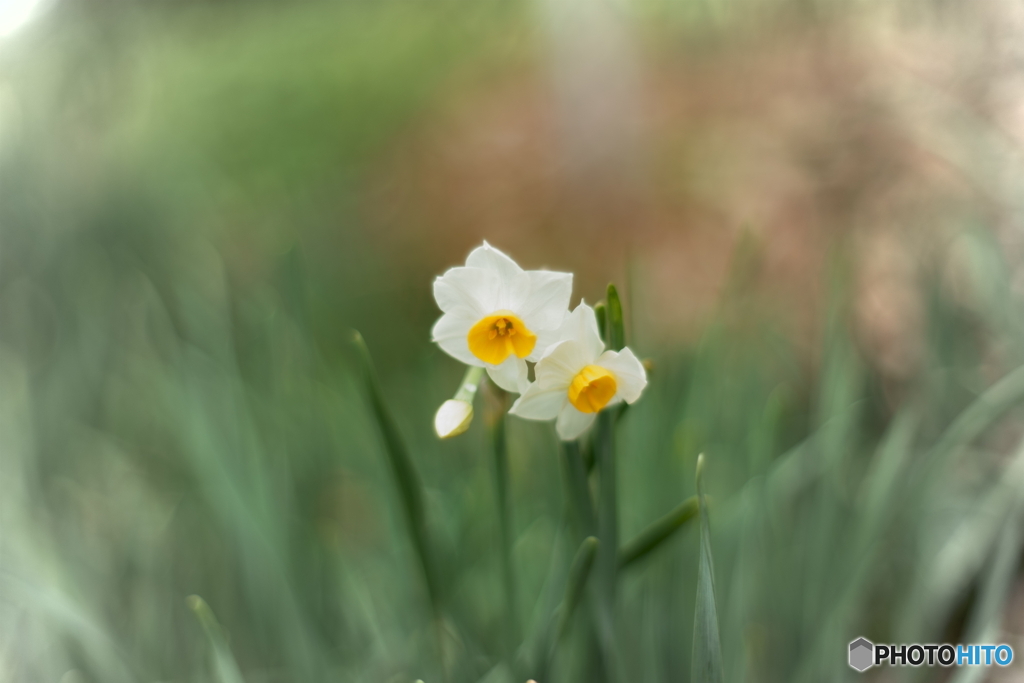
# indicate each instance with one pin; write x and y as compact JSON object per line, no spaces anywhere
{"x":814,"y":211}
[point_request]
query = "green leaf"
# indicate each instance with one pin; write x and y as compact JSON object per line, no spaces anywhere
{"x":994,"y":593}
{"x":975,"y":540}
{"x":978,"y":416}
{"x":616,"y":333}
{"x":579,"y":572}
{"x":225,"y":669}
{"x":407,"y":479}
{"x":707,"y":649}
{"x":660,"y":530}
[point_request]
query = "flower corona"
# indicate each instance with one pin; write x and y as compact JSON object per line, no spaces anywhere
{"x":591,"y":389}
{"x":498,"y":336}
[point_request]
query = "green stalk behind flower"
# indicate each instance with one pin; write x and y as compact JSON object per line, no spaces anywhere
{"x":497,"y":403}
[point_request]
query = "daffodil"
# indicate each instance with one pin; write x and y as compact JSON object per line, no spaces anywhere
{"x":576,"y":378}
{"x":498,"y":316}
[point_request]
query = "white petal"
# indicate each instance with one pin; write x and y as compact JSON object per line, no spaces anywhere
{"x":559,"y":365}
{"x":537,"y":404}
{"x":571,"y":422}
{"x":450,"y":332}
{"x":581,"y":326}
{"x":513,"y":292}
{"x":475,"y":289}
{"x":547,"y":299}
{"x":629,"y":372}
{"x":489,"y":258}
{"x":510,"y":375}
{"x":546,"y":339}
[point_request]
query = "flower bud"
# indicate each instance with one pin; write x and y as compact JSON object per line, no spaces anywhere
{"x":453,"y":417}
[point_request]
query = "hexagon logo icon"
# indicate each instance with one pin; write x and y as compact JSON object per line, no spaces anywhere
{"x":862,"y":654}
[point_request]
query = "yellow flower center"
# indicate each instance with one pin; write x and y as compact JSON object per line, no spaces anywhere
{"x":498,"y":336}
{"x":592,"y":388}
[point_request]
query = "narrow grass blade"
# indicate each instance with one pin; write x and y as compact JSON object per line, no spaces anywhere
{"x":660,"y":530}
{"x":225,"y":670}
{"x":978,"y":416}
{"x":575,"y":584}
{"x":407,"y":479}
{"x":962,"y":555}
{"x":616,"y":328}
{"x":533,"y":651}
{"x":995,"y":587}
{"x":579,"y":572}
{"x":880,"y":493}
{"x":706,"y":664}
{"x":499,"y":673}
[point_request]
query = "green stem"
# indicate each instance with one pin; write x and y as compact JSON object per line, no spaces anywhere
{"x":607,"y":509}
{"x":577,"y":489}
{"x":501,"y":481}
{"x":607,"y":561}
{"x":470,"y":382}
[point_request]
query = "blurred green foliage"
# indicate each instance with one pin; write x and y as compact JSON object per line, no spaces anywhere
{"x":182,"y":261}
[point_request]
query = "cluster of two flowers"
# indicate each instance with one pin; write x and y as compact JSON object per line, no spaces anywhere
{"x":497,"y":316}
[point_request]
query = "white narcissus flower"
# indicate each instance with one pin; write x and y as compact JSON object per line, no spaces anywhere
{"x":576,"y":378}
{"x":498,"y":316}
